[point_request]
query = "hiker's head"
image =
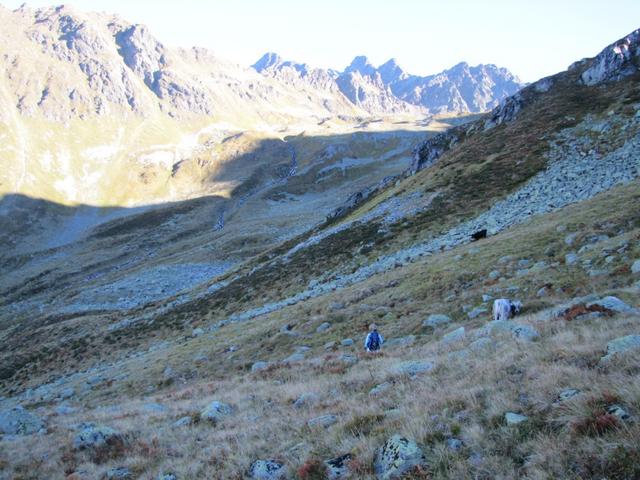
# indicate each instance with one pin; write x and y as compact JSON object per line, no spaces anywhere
{"x":373,"y":327}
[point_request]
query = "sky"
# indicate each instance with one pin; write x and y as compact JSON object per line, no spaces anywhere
{"x":533,"y":39}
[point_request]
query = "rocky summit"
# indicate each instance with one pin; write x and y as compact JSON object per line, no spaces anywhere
{"x":194,"y":253}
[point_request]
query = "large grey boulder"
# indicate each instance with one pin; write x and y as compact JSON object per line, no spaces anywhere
{"x":17,"y":421}
{"x":621,"y":346}
{"x":95,"y":436}
{"x":436,"y":320}
{"x":396,"y":457}
{"x":267,"y":470}
{"x":216,"y":411}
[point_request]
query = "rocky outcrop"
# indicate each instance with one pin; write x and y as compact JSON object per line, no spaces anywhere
{"x":618,"y":60}
{"x":396,"y":457}
{"x":621,"y":346}
{"x":426,"y":154}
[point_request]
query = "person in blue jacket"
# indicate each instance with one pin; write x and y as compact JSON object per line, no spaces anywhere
{"x":374,"y":340}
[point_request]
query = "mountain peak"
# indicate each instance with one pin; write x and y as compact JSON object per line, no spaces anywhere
{"x":391,"y":72}
{"x":362,"y":65}
{"x":268,"y":60}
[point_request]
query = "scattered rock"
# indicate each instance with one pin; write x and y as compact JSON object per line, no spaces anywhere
{"x":95,"y":436}
{"x":183,"y":422}
{"x":348,"y":359}
{"x":505,"y":259}
{"x":258,"y":366}
{"x":306,"y":400}
{"x":486,"y":297}
{"x":323,"y":421}
{"x":197,"y":332}
{"x":635,"y":268}
{"x":267,"y":470}
{"x":567,"y":394}
{"x":216,"y":411}
{"x":338,"y":467}
{"x":476,"y":312}
{"x":621,"y":346}
{"x":323,"y":327}
{"x":515,"y":418}
{"x":167,"y":476}
{"x":347,"y":342}
{"x":154,"y":408}
{"x":118,"y":473}
{"x":524,"y":263}
{"x":296,"y":357}
{"x":570,"y":239}
{"x":334,"y":306}
{"x":396,"y":457}
{"x":454,"y":336}
{"x":436,"y":320}
{"x":415,"y":367}
{"x":18,"y":421}
{"x":481,"y":344}
{"x":454,"y":444}
{"x":618,"y":412}
{"x":543,"y":292}
{"x":524,"y":333}
{"x":329,"y":345}
{"x":494,"y":275}
{"x":381,"y":388}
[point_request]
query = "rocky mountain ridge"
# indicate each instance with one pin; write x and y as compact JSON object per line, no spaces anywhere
{"x":388,"y":88}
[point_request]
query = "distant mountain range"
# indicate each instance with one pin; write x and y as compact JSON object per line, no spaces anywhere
{"x":390,"y":89}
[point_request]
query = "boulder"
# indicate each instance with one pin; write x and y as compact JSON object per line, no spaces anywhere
{"x":183,"y":422}
{"x":324,"y":421}
{"x":17,"y":421}
{"x":167,"y":476}
{"x":347,"y":342}
{"x":486,"y":297}
{"x":323,"y":327}
{"x":381,"y":388}
{"x":197,"y":332}
{"x":294,"y":358}
{"x":518,"y":331}
{"x":635,"y":267}
{"x":515,"y":418}
{"x":455,"y":336}
{"x":619,"y":412}
{"x":415,"y":367}
{"x":338,"y":467}
{"x":95,"y":436}
{"x":216,"y":411}
{"x":436,"y":320}
{"x":259,"y":366}
{"x":482,"y":344}
{"x":614,"y":304}
{"x":620,"y":346}
{"x":267,"y":470}
{"x":494,"y":275}
{"x":306,"y":400}
{"x":568,"y":393}
{"x":396,"y":457}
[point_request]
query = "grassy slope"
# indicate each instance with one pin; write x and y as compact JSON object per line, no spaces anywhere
{"x":462,"y":399}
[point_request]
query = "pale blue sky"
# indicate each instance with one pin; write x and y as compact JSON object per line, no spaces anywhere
{"x":531,"y":38}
